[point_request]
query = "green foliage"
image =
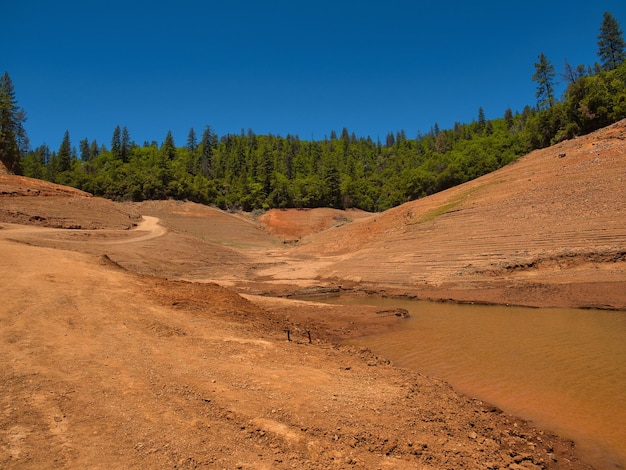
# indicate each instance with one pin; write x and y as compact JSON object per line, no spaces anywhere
{"x":593,"y":102}
{"x":13,"y":139}
{"x":544,"y":76}
{"x":251,"y":172}
{"x":63,"y":160}
{"x":116,"y":142}
{"x":610,"y":43}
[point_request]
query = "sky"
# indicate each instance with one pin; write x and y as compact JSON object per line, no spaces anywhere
{"x":283,"y":66}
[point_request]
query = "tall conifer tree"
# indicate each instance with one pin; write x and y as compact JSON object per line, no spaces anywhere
{"x":192,"y":141}
{"x":208,"y":143}
{"x":64,"y":157}
{"x":168,"y":148}
{"x":544,"y":76}
{"x":85,"y":150}
{"x":116,"y":142}
{"x":482,"y":120}
{"x":13,"y":139}
{"x":125,"y":145}
{"x":94,"y":150}
{"x":610,"y":43}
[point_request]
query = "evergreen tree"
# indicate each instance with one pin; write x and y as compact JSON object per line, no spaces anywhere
{"x":192,"y":141}
{"x":400,"y":136}
{"x":85,"y":150}
{"x":208,"y":143}
{"x":390,"y":140}
{"x":168,"y":148}
{"x":35,"y":162}
{"x":43,"y":154}
{"x":125,"y":145}
{"x":94,"y":150}
{"x":544,"y":76}
{"x":13,"y":139}
{"x":508,"y":118}
{"x":482,"y":120}
{"x":610,"y":43}
{"x":64,"y":157}
{"x":116,"y":142}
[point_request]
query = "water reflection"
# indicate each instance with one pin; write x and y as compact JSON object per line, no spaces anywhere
{"x":563,"y":369}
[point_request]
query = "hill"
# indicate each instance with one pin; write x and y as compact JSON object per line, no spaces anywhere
{"x":547,"y":230}
{"x":112,"y":357}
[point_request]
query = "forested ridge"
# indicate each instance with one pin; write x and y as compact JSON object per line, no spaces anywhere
{"x":248,"y":171}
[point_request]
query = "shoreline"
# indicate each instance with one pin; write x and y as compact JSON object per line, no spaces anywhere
{"x":343,"y":325}
{"x":156,"y":372}
{"x":429,"y":316}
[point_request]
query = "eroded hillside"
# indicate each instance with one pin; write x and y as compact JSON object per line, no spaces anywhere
{"x":113,"y":358}
{"x":548,"y":229}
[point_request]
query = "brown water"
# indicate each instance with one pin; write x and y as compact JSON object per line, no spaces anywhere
{"x":563,"y":369}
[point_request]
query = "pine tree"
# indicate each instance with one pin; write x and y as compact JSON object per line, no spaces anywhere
{"x":610,"y":43}
{"x":508,"y":118}
{"x":44,"y":154}
{"x":390,"y":140}
{"x":125,"y":145}
{"x":544,"y":76}
{"x":64,"y":157}
{"x":85,"y":150}
{"x":13,"y":139}
{"x":208,"y":143}
{"x":169,"y":148}
{"x":116,"y":142}
{"x":192,"y":141}
{"x":94,"y":150}
{"x":400,"y":136}
{"x":482,"y":120}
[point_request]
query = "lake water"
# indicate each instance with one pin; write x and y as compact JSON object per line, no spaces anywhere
{"x":562,"y":369}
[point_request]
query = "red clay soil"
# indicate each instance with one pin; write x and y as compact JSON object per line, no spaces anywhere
{"x":134,"y":335}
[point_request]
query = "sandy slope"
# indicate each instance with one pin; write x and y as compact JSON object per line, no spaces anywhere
{"x":105,"y":366}
{"x":549,"y":229}
{"x":106,"y":369}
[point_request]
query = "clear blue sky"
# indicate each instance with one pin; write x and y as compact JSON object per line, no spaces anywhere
{"x":282,"y":67}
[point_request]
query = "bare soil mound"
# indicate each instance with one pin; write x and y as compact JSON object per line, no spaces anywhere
{"x":36,"y":202}
{"x":293,"y":225}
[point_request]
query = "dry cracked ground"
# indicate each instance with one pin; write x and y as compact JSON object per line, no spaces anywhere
{"x":153,"y":335}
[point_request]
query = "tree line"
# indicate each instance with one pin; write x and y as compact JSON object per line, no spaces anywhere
{"x":248,"y":171}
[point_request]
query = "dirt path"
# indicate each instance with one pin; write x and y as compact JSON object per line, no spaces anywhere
{"x":147,"y":229}
{"x":150,"y":225}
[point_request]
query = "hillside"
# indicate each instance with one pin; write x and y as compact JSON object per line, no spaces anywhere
{"x":546,"y":230}
{"x":112,"y":358}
